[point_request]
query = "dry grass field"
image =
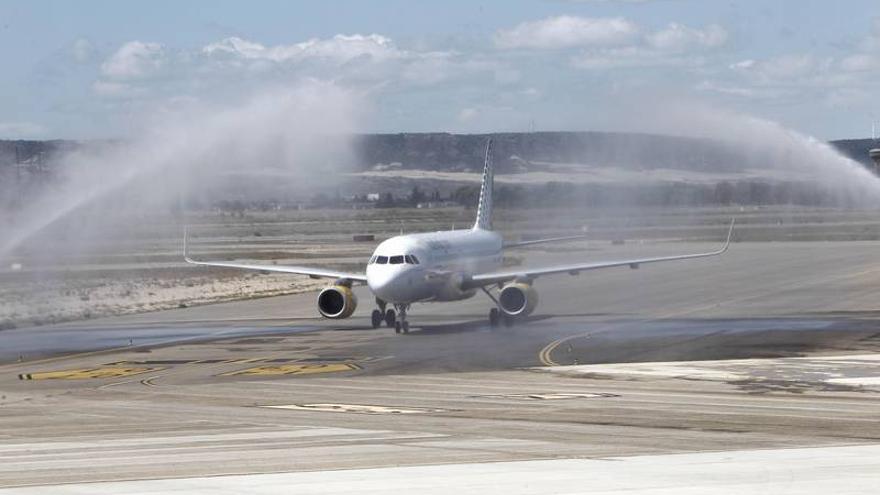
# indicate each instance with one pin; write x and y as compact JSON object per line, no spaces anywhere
{"x":142,"y":270}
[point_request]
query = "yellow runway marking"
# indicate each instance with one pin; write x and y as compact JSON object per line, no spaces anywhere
{"x":296,"y":369}
{"x":547,"y":360}
{"x":110,"y":350}
{"x":84,"y":374}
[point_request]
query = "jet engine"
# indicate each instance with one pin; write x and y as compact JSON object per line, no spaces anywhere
{"x":337,"y":302}
{"x":518,"y":299}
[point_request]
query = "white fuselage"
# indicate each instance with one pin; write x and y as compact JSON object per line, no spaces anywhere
{"x":432,"y":266}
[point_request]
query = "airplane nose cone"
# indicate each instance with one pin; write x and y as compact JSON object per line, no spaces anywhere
{"x":387,"y":285}
{"x":380,"y":282}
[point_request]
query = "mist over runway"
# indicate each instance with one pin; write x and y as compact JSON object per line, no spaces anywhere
{"x":799,"y":297}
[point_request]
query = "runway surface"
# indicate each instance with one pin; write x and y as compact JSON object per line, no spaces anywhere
{"x":265,"y":386}
{"x":839,"y":470}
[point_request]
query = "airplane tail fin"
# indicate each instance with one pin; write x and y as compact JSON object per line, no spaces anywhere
{"x":484,"y":209}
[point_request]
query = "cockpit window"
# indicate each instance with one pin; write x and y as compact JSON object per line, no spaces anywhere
{"x":408,"y":259}
{"x":396,"y":260}
{"x":381,"y":260}
{"x":415,"y":261}
{"x":372,"y":260}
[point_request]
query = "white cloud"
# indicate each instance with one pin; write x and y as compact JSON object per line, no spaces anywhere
{"x":732,"y":90}
{"x":114,"y":89}
{"x":531,"y":93}
{"x":341,"y":48}
{"x":835,"y":81}
{"x":867,"y":57}
{"x":632,"y":56}
{"x":21,"y":130}
{"x":150,"y":74}
{"x":606,"y":43}
{"x":133,"y":60}
{"x":427,"y":69}
{"x":860,"y":62}
{"x":467,"y":114}
{"x":674,"y":45}
{"x":608,"y":1}
{"x":679,"y":38}
{"x":847,"y":97}
{"x":743,"y":64}
{"x":82,"y":50}
{"x":782,"y":67}
{"x":567,"y":32}
{"x":718,"y":88}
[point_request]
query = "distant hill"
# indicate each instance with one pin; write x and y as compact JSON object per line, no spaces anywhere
{"x":513,"y":151}
{"x":543,"y":168}
{"x":464,"y":152}
{"x":856,"y":149}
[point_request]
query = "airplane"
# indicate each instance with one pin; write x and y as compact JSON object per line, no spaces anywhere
{"x":445,"y":266}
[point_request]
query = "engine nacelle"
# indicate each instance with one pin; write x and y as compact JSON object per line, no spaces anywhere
{"x":518,"y":299}
{"x":337,"y":302}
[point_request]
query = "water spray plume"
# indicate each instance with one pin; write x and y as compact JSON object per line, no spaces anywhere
{"x":768,"y":148}
{"x":299,"y":133}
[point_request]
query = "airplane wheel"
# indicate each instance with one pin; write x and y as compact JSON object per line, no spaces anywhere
{"x":396,"y":327}
{"x":377,"y":318}
{"x":493,"y":317}
{"x":405,"y":326}
{"x":508,"y":321}
{"x":390,"y":318}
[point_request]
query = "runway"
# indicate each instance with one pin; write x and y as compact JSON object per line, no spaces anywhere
{"x":832,"y":470}
{"x":265,"y":386}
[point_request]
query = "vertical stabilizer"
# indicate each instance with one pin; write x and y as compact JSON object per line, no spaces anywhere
{"x":484,"y":209}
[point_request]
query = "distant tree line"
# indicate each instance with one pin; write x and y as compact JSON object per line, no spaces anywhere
{"x":565,"y":194}
{"x":561,"y":194}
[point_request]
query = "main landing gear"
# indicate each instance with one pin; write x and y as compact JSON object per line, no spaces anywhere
{"x":391,"y":318}
{"x":496,"y":316}
{"x":380,"y":315}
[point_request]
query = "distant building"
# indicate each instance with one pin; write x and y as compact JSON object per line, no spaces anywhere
{"x":437,"y":204}
{"x":874,"y":153}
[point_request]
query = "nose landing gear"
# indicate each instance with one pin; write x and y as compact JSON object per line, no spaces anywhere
{"x":391,"y":318}
{"x":401,"y":325}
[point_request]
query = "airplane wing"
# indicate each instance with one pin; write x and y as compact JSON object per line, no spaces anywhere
{"x":485,"y":279}
{"x":298,"y":270}
{"x":542,"y":241}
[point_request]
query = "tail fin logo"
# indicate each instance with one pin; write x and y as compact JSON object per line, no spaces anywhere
{"x":484,"y":209}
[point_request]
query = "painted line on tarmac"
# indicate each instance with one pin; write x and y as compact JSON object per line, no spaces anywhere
{"x":358,"y":409}
{"x":545,"y":355}
{"x":295,"y":369}
{"x":86,"y":373}
{"x":159,"y":343}
{"x":549,"y":396}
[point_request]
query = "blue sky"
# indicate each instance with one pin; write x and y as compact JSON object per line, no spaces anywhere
{"x":89,"y":69}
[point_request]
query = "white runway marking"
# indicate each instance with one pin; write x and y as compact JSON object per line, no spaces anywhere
{"x":357,"y":408}
{"x":856,"y":370}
